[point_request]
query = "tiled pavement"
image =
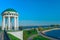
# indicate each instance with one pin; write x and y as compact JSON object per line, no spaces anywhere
{"x":1,"y":36}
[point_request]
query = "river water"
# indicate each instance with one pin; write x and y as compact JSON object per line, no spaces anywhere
{"x":54,"y":34}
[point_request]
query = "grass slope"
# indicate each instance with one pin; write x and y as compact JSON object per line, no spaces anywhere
{"x":28,"y":33}
{"x":40,"y":38}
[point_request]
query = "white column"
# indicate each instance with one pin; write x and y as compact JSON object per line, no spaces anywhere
{"x":8,"y":22}
{"x":3,"y":23}
{"x":15,"y":23}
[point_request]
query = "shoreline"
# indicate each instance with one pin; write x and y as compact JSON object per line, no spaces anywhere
{"x":50,"y":30}
{"x":52,"y":38}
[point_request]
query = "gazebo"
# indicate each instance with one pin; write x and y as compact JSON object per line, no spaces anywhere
{"x":10,"y":19}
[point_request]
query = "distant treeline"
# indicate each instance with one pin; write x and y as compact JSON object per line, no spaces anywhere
{"x":44,"y":26}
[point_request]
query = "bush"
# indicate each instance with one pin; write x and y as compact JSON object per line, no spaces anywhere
{"x":20,"y":28}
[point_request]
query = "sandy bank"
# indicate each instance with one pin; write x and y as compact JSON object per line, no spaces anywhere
{"x":50,"y":30}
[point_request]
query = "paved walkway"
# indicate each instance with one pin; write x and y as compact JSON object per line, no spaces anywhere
{"x":18,"y":34}
{"x":6,"y":37}
{"x":1,"y":36}
{"x":31,"y":37}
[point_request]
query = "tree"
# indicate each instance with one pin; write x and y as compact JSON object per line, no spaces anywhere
{"x":40,"y":29}
{"x":20,"y":27}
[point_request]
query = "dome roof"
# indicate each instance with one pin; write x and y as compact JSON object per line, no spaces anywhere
{"x":10,"y":9}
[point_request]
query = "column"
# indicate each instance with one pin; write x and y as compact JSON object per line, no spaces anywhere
{"x":3,"y":23}
{"x":8,"y":22}
{"x":15,"y":23}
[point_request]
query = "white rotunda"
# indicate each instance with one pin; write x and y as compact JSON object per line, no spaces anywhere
{"x":10,"y":19}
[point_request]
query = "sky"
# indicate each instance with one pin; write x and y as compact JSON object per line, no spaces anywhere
{"x":34,"y":12}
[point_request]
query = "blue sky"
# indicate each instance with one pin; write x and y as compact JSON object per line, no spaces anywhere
{"x":34,"y":12}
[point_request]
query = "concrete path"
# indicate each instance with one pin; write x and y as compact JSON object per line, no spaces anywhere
{"x":1,"y":36}
{"x":18,"y":34}
{"x":6,"y":37}
{"x":31,"y":37}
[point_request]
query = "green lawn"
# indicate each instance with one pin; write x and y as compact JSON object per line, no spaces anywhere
{"x":43,"y":29}
{"x":28,"y":33}
{"x":40,"y":38}
{"x":12,"y":37}
{"x":47,"y":28}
